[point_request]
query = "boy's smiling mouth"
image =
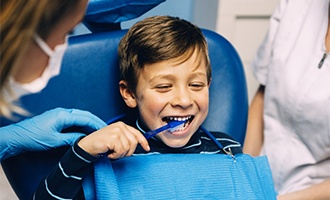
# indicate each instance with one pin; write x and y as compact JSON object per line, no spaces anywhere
{"x":182,"y":127}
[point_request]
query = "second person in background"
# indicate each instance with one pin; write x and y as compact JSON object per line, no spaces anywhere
{"x":289,"y":118}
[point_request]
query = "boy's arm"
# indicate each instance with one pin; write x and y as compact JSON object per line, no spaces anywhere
{"x":65,"y":180}
{"x":254,"y":133}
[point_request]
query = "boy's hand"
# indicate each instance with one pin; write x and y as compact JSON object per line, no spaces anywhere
{"x":118,"y":138}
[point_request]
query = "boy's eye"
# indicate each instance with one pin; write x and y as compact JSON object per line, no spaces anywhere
{"x":197,"y":86}
{"x":163,"y":87}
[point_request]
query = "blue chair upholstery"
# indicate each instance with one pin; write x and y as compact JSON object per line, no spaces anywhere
{"x":89,"y":80}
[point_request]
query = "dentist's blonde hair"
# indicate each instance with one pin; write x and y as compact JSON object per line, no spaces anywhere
{"x":19,"y":21}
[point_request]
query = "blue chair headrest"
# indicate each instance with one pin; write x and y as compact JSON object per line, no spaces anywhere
{"x":101,"y":15}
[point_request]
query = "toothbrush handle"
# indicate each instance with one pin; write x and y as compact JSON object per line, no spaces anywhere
{"x":152,"y":133}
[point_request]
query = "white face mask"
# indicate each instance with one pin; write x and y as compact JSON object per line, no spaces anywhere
{"x":52,"y":69}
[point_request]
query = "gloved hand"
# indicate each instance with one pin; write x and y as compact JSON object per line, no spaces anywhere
{"x":43,"y":132}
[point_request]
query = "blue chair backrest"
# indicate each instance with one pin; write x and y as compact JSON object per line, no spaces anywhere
{"x":89,"y":80}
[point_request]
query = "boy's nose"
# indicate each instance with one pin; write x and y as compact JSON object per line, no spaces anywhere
{"x":182,"y":98}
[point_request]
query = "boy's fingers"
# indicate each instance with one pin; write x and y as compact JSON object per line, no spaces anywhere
{"x":118,"y":151}
{"x":144,"y":143}
{"x":140,"y":138}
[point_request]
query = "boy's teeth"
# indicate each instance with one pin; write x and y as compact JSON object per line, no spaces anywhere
{"x":186,"y":119}
{"x":179,"y":118}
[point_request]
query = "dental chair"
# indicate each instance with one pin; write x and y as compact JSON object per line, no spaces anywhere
{"x":89,"y":81}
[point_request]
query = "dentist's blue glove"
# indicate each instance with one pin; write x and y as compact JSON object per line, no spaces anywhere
{"x":43,"y":132}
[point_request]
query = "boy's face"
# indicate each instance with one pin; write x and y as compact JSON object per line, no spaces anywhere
{"x":168,"y":89}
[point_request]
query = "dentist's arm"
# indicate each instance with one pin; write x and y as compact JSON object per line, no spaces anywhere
{"x":319,"y":191}
{"x":254,"y":133}
{"x":43,"y":132}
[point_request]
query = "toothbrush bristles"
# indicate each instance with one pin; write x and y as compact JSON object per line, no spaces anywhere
{"x":178,"y":125}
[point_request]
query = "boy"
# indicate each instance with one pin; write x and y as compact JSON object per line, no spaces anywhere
{"x":165,"y":75}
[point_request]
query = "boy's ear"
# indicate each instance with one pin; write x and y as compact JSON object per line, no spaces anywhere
{"x":127,"y":95}
{"x":210,"y":82}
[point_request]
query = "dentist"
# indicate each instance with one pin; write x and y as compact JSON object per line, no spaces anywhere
{"x":33,"y":41}
{"x":289,"y":117}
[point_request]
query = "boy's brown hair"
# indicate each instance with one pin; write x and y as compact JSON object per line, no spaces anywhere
{"x":157,"y":39}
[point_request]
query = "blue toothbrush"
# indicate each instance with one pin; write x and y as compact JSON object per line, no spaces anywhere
{"x":171,"y":125}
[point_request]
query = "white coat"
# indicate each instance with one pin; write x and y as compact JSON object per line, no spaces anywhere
{"x":297,"y":95}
